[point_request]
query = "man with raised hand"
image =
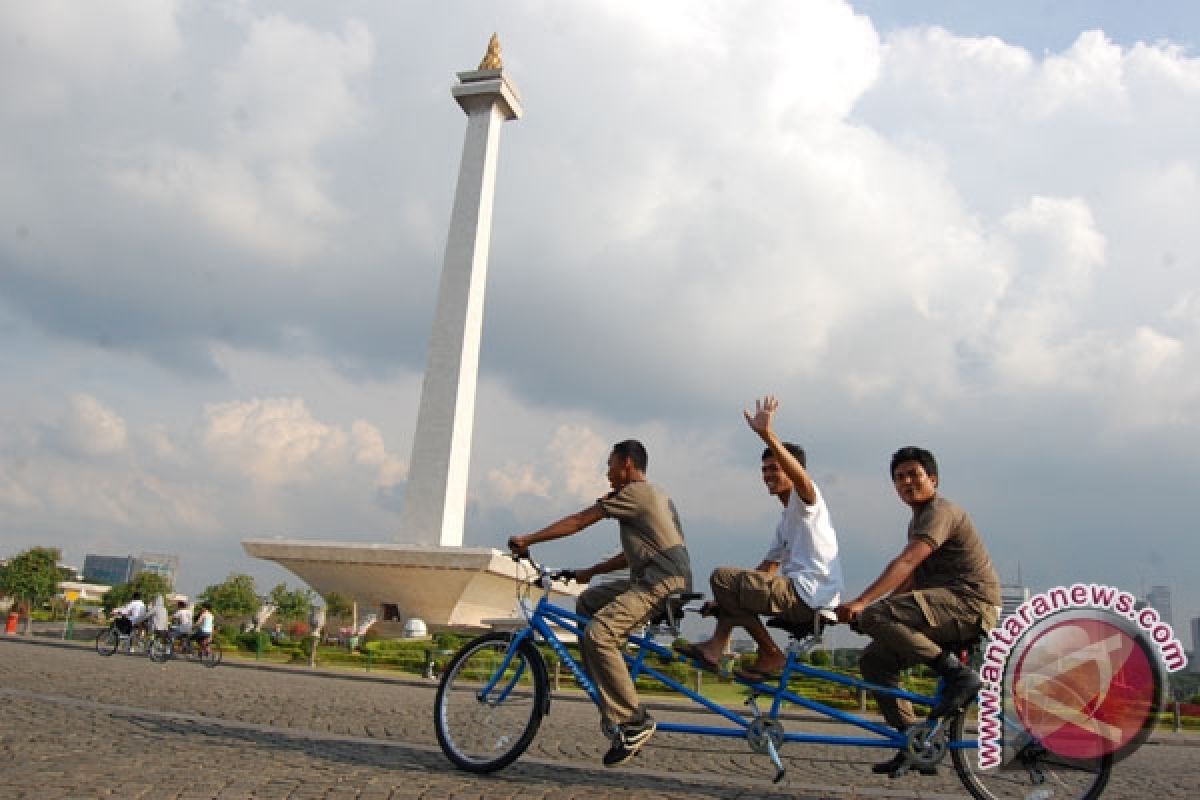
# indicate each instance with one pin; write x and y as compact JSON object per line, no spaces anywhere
{"x":653,"y":550}
{"x":801,"y":571}
{"x":940,"y":589}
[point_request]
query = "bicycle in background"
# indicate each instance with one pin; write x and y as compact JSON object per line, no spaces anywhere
{"x":121,"y":632}
{"x":165,"y":647}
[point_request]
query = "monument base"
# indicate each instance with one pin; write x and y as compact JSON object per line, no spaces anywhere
{"x":450,"y":588}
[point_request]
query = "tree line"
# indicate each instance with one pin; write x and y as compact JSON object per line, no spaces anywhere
{"x":31,"y":579}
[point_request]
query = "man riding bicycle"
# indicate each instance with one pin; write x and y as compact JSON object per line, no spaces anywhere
{"x":653,"y":549}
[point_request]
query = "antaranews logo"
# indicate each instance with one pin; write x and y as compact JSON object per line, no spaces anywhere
{"x":1079,"y":671}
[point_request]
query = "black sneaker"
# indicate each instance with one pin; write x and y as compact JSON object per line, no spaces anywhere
{"x":628,"y":739}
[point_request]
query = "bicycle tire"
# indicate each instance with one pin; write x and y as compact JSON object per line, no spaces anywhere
{"x":159,"y":650}
{"x":107,"y":641}
{"x":486,"y":734}
{"x":212,"y":656}
{"x":1063,"y":779}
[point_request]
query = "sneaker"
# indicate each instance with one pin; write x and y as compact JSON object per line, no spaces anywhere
{"x":628,"y":740}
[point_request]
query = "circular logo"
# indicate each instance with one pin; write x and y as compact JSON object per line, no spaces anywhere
{"x":1086,"y":685}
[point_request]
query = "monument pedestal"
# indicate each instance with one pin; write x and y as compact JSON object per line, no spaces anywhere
{"x":459,"y":588}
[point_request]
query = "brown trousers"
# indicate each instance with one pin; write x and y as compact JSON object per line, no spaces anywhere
{"x":743,"y":594}
{"x":909,"y":629}
{"x":617,"y":609}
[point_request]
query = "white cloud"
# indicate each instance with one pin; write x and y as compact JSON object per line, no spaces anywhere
{"x":287,"y":93}
{"x":272,"y":441}
{"x":55,"y":49}
{"x":93,"y":429}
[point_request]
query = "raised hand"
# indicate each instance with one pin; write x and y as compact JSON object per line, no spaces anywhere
{"x":764,"y":412}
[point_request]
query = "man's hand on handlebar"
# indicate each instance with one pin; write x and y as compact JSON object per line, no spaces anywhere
{"x":518,"y":545}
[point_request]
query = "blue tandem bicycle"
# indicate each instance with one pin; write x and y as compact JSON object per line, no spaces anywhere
{"x":495,"y":691}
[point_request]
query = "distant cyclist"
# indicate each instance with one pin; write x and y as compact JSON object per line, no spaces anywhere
{"x":130,"y":614}
{"x":181,"y":621}
{"x":203,"y":629}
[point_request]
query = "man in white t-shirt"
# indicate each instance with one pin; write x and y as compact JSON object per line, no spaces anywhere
{"x":133,"y":612}
{"x":181,"y":620}
{"x":800,"y":573}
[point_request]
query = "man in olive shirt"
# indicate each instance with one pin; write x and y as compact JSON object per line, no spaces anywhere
{"x":942,"y":588}
{"x":653,"y":550}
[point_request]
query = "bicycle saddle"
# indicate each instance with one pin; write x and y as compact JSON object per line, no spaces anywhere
{"x":803,"y":630}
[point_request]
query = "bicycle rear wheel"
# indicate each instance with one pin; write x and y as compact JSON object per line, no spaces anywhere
{"x":107,"y":641}
{"x":488,"y":710}
{"x":1033,"y":773}
{"x":211,"y":656}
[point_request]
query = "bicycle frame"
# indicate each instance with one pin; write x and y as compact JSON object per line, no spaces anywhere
{"x":546,"y":616}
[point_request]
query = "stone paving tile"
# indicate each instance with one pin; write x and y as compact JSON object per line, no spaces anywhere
{"x":82,"y":726}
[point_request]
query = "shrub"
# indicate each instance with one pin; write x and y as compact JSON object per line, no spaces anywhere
{"x":298,"y":629}
{"x":254,"y":641}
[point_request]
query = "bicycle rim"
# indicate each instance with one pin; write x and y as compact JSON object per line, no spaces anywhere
{"x":1035,"y":774}
{"x":486,"y":713}
{"x":213,"y":656}
{"x":106,"y":642}
{"x":158,"y":651}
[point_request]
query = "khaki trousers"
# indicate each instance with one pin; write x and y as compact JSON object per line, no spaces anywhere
{"x":617,"y":609}
{"x":910,"y":629}
{"x":743,"y":594}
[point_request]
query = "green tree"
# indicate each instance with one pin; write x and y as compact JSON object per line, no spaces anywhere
{"x":31,"y":579}
{"x":236,"y":596}
{"x":291,"y":605}
{"x":337,"y":606}
{"x":150,"y":584}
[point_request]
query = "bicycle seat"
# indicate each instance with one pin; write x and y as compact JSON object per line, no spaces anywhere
{"x":803,"y":630}
{"x":672,"y":610}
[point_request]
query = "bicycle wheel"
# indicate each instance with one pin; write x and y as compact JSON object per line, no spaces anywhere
{"x":487,"y":711}
{"x":1034,"y":773}
{"x":107,"y":641}
{"x":159,"y":650}
{"x":211,"y":656}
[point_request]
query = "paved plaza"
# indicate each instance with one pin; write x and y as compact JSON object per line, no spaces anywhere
{"x":76,"y":725}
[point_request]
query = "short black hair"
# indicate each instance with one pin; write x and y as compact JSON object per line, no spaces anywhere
{"x":634,"y":450}
{"x":918,"y":454}
{"x":136,"y":596}
{"x":796,"y":450}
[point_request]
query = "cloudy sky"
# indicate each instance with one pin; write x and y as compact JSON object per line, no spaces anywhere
{"x":221,"y":229}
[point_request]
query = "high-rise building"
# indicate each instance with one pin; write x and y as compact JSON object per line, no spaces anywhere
{"x":112,"y":570}
{"x":1195,"y":638}
{"x":109,"y":570}
{"x":160,"y":564}
{"x":1011,"y":598}
{"x":1159,"y":598}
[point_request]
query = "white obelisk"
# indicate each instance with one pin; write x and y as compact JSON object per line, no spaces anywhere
{"x":435,"y":497}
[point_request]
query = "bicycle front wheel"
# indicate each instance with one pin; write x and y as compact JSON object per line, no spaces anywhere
{"x":489,"y":706}
{"x":1034,"y":772}
{"x":106,"y":642}
{"x":159,"y":650}
{"x":211,"y":656}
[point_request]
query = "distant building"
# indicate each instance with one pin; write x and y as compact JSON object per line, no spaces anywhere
{"x":1159,"y":598}
{"x":1011,"y":598}
{"x":113,"y":570}
{"x":160,"y":564}
{"x":110,"y":570}
{"x":1196,"y":636}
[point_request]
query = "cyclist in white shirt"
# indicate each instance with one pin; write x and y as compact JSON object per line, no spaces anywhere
{"x":181,"y":620}
{"x":203,"y":628}
{"x":132,"y":613}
